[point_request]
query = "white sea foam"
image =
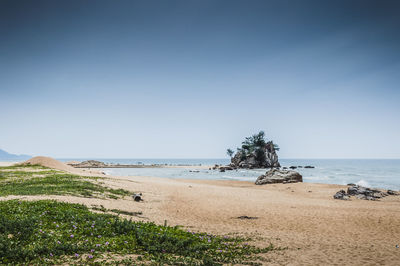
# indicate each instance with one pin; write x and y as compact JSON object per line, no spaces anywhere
{"x":363,"y":183}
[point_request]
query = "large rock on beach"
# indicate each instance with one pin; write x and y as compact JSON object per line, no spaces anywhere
{"x":364,"y":193}
{"x":341,"y":194}
{"x":279,"y":176}
{"x":367,"y":192}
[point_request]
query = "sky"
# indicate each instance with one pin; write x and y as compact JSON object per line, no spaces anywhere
{"x":189,"y":79}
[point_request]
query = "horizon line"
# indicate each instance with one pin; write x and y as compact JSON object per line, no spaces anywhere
{"x":169,"y":158}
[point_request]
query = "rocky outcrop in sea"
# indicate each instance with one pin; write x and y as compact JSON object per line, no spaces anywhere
{"x":268,"y":152}
{"x":89,"y":164}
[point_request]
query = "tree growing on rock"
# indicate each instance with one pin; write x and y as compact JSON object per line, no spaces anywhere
{"x":256,"y":152}
{"x":230,"y":152}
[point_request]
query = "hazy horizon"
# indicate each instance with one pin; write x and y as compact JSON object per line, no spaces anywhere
{"x":194,"y":158}
{"x":189,"y":79}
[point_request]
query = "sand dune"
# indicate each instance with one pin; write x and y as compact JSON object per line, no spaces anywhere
{"x":54,"y":164}
{"x":50,"y":163}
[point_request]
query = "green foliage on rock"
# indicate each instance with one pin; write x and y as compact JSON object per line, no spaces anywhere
{"x":230,"y":152}
{"x":254,"y":151}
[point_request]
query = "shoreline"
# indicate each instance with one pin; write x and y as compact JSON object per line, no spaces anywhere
{"x":93,"y":171}
{"x":146,"y":166}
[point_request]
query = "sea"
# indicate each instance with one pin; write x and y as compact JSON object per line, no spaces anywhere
{"x":376,"y":173}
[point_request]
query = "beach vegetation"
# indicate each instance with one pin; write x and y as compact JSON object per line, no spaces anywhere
{"x":36,"y":180}
{"x":51,"y":232}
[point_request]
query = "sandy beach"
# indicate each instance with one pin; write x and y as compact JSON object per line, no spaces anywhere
{"x":302,"y":218}
{"x":315,"y":228}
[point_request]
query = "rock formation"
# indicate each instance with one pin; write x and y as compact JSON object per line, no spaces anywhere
{"x":264,"y":157}
{"x":279,"y":176}
{"x":341,"y":194}
{"x":362,"y":193}
{"x":255,"y":152}
{"x":90,"y":164}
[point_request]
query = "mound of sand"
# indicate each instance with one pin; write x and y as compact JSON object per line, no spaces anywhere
{"x":50,"y":163}
{"x":54,"y":164}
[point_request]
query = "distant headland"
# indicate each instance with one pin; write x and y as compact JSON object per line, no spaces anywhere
{"x":8,"y":156}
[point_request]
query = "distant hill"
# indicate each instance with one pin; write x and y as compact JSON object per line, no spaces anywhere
{"x":8,"y":156}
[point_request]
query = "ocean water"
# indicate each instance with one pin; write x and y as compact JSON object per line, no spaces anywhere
{"x":375,"y":173}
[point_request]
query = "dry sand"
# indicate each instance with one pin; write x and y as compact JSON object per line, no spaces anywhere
{"x":315,"y":228}
{"x":304,"y":217}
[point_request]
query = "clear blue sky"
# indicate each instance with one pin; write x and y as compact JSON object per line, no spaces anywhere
{"x":188,"y":79}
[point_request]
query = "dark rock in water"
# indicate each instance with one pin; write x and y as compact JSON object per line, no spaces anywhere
{"x":341,"y":194}
{"x":137,"y":197}
{"x":293,"y":167}
{"x":279,"y":176}
{"x":221,"y":168}
{"x":284,"y":167}
{"x":351,"y":184}
{"x":309,"y":166}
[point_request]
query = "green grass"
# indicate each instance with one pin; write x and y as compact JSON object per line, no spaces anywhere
{"x":115,"y":211}
{"x":14,"y":181}
{"x":24,"y":174}
{"x":24,"y":166}
{"x":50,"y":232}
